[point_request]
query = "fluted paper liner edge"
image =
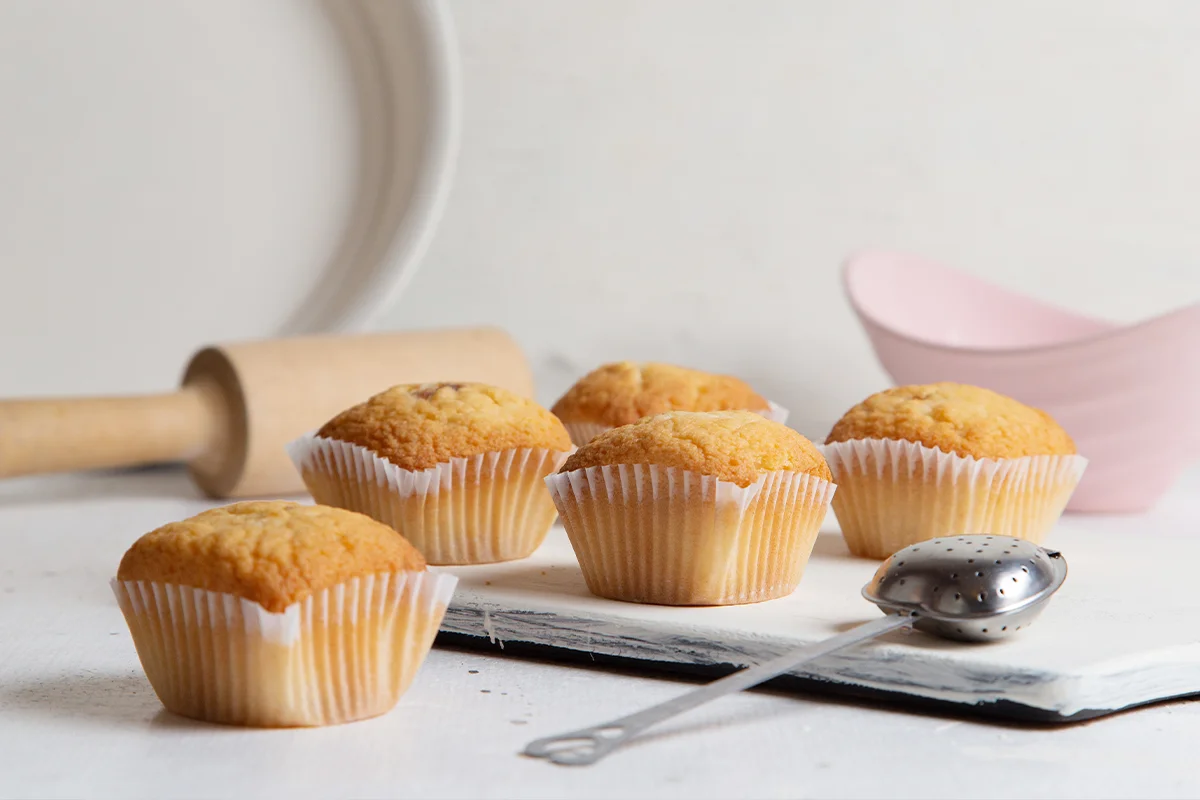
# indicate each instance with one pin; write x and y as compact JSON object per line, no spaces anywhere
{"x":895,"y":493}
{"x":487,"y":508}
{"x":653,"y":534}
{"x":345,"y":653}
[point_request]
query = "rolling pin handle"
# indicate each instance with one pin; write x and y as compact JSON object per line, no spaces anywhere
{"x":41,"y":436}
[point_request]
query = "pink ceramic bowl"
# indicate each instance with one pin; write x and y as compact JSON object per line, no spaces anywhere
{"x":1128,"y":395}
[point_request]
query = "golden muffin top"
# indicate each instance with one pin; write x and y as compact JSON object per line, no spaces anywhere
{"x":417,"y":426}
{"x":736,"y":446}
{"x":955,"y":418}
{"x":624,"y":392}
{"x":273,"y":553}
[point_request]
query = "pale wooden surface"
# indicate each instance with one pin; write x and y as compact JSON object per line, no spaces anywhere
{"x":77,"y":718}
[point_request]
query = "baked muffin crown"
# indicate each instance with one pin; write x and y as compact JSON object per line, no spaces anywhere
{"x":624,"y":392}
{"x":417,"y":426}
{"x":273,"y":553}
{"x":735,"y":446}
{"x":955,"y":418}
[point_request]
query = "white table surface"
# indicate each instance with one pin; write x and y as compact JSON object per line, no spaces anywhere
{"x":78,"y":719}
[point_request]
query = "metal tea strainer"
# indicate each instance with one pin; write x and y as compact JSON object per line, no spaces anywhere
{"x":973,"y":588}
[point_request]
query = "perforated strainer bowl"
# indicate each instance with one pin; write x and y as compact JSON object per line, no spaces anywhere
{"x":971,"y":588}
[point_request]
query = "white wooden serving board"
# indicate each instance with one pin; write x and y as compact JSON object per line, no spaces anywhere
{"x":1123,"y":631}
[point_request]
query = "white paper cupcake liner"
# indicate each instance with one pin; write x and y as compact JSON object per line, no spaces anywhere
{"x":583,"y":432}
{"x":775,"y":413}
{"x":895,"y":493}
{"x":342,"y":654}
{"x":651,"y":534}
{"x":487,"y":508}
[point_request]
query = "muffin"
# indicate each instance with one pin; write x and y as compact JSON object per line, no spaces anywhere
{"x":456,"y":468}
{"x":624,"y":392}
{"x":918,"y":462}
{"x":694,"y":508}
{"x":277,"y":614}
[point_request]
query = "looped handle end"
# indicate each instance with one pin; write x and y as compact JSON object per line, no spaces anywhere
{"x":578,"y":748}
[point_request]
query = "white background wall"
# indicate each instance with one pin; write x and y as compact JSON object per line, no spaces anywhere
{"x":679,"y":179}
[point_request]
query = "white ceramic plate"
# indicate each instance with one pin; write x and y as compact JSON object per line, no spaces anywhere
{"x":173,"y":174}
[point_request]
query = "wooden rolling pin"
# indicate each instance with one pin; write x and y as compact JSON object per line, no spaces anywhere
{"x":240,"y":404}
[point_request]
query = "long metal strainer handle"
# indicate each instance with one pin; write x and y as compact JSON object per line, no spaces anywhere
{"x":588,"y":745}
